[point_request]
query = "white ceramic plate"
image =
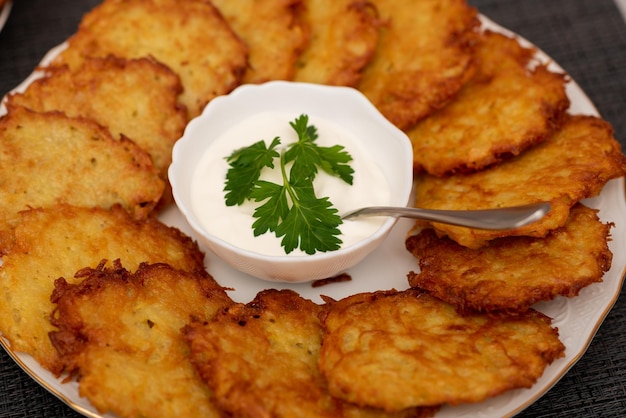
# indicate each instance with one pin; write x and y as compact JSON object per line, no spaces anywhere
{"x":577,"y":318}
{"x":4,"y":13}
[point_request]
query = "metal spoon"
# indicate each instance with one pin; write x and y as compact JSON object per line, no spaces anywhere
{"x":501,"y":218}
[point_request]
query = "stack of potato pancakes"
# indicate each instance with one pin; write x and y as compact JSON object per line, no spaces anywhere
{"x":96,"y":288}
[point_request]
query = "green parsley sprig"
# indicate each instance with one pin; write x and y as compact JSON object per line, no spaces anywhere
{"x":290,"y":210}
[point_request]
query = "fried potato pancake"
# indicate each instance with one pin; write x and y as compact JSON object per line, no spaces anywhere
{"x":506,"y":107}
{"x":260,"y":360}
{"x":48,"y":158}
{"x":426,"y":353}
{"x":274,"y":31}
{"x":573,"y":164}
{"x":57,"y":242}
{"x":510,"y":274}
{"x":136,"y":98}
{"x":344,"y":36}
{"x":120,"y":334}
{"x":423,"y":58}
{"x":191,"y":37}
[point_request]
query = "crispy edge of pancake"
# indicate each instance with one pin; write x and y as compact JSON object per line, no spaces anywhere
{"x":426,"y":353}
{"x":573,"y":164}
{"x":424,"y":56}
{"x":511,"y":274}
{"x":120,"y":334}
{"x":344,"y":37}
{"x":510,"y":104}
{"x":260,"y":359}
{"x":47,"y":158}
{"x":58,"y":241}
{"x":135,"y":98}
{"x":190,"y":37}
{"x":274,"y":31}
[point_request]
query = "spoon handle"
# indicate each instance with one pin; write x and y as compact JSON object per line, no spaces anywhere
{"x":500,"y":218}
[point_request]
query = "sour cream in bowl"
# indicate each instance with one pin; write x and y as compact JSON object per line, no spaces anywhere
{"x":241,"y":176}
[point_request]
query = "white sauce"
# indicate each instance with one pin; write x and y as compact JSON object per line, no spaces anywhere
{"x":233,"y":224}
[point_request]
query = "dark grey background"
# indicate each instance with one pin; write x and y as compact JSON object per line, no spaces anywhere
{"x":586,"y":37}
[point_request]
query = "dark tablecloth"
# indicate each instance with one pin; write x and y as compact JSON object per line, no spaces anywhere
{"x":586,"y":37}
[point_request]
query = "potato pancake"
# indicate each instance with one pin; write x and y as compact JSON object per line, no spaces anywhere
{"x":274,"y":31}
{"x":508,"y":106}
{"x":260,"y":359}
{"x":344,"y":36}
{"x":120,"y":334}
{"x":191,"y":37}
{"x":49,"y":158}
{"x":395,"y":350}
{"x":57,"y":242}
{"x":510,"y":274}
{"x":424,"y":56}
{"x":573,"y":164}
{"x":136,"y":98}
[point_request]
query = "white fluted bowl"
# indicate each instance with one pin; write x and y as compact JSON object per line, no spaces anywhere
{"x":343,"y":106}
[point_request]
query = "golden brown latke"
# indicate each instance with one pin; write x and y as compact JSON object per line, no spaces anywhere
{"x":505,"y":108}
{"x":274,"y":31}
{"x":423,"y":58}
{"x":344,"y":36}
{"x":191,"y":37}
{"x":260,"y":360}
{"x":573,"y":164}
{"x":136,"y":98}
{"x":58,"y":241}
{"x":395,"y":350}
{"x":49,"y":158}
{"x":120,"y":334}
{"x":510,"y":274}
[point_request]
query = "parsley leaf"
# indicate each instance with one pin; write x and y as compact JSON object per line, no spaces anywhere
{"x":311,"y":224}
{"x":307,"y":156}
{"x":273,"y":211}
{"x":290,"y":210}
{"x":335,"y":162}
{"x":245,"y":169}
